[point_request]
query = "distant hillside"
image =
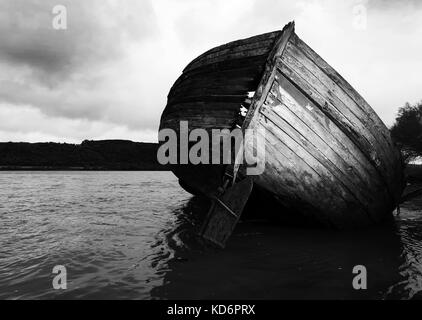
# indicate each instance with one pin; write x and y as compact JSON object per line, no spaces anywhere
{"x":90,"y":155}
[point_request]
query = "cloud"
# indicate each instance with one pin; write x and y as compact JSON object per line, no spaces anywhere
{"x":112,"y":68}
{"x":390,"y":4}
{"x":29,"y":124}
{"x":85,"y":72}
{"x":96,"y":33}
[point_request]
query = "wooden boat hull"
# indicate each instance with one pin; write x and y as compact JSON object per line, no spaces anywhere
{"x":328,"y":155}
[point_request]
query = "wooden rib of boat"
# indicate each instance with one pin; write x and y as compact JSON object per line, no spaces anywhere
{"x":328,"y":155}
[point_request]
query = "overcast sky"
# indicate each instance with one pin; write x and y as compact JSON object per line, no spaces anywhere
{"x":108,"y":75}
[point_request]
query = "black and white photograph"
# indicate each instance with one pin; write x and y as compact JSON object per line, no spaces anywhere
{"x":210,"y":154}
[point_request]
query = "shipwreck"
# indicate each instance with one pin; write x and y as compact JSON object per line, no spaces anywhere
{"x":328,"y":154}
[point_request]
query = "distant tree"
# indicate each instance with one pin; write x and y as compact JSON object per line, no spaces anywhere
{"x":407,"y":131}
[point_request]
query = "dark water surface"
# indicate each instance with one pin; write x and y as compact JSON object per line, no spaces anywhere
{"x":130,"y":235}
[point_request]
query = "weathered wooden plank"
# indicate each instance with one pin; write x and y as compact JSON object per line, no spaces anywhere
{"x":230,"y":75}
{"x":309,"y":180}
{"x":318,"y":122}
{"x":223,"y":118}
{"x":264,"y":44}
{"x":218,"y":78}
{"x":234,"y":44}
{"x":252,"y":39}
{"x":352,"y":171}
{"x":343,"y":84}
{"x":226,"y":211}
{"x":222,"y":114}
{"x":288,"y":121}
{"x":317,"y":161}
{"x":383,"y":131}
{"x":317,"y":148}
{"x":202,"y":108}
{"x":317,"y":115}
{"x":330,"y":91}
{"x":230,"y":56}
{"x":209,"y":98}
{"x":245,"y":84}
{"x":227,"y":65}
{"x":210,"y":91}
{"x":280,"y":173}
{"x":198,"y":121}
{"x":216,"y":85}
{"x":223,"y":69}
{"x":343,"y":123}
{"x":326,"y":184}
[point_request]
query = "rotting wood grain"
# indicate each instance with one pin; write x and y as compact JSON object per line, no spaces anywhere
{"x":331,"y":92}
{"x":306,"y":140}
{"x":309,"y":180}
{"x":231,"y":45}
{"x":343,"y":123}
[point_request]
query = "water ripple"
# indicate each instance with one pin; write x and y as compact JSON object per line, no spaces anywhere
{"x":132,"y":235}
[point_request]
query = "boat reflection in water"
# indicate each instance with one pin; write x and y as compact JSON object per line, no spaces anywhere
{"x":266,"y":260}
